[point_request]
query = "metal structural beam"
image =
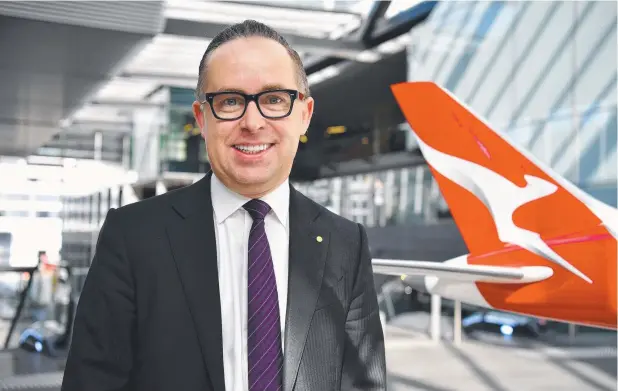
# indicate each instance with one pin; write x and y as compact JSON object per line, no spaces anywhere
{"x":159,"y":76}
{"x":87,"y":125}
{"x":317,"y":63}
{"x":382,"y":31}
{"x":386,"y":29}
{"x":125,"y":104}
{"x":335,"y":48}
{"x":377,"y":13}
{"x":391,"y":161}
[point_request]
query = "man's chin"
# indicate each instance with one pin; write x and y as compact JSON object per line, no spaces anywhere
{"x":255,"y":176}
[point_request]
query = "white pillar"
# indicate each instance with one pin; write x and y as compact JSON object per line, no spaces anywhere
{"x":457,"y":323}
{"x":436,"y":305}
{"x":98,"y":145}
{"x":160,"y":188}
{"x":572,"y":332}
{"x":388,"y":301}
{"x":145,"y":156}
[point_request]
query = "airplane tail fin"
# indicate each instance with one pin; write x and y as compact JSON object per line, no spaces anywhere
{"x":510,"y":208}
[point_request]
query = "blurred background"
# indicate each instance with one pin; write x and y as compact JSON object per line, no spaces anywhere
{"x":95,"y":113}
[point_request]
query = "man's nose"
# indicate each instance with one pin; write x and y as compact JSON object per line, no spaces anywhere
{"x":253,"y":119}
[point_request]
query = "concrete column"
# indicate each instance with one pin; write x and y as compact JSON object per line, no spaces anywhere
{"x":572,"y":332}
{"x":126,"y":152}
{"x":436,"y":306}
{"x":98,"y":145}
{"x":145,"y":157}
{"x":457,"y":323}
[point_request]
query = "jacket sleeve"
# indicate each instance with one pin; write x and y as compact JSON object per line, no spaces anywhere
{"x":101,"y":353}
{"x":364,"y":366}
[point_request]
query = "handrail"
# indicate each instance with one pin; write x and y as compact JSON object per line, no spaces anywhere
{"x":18,"y":269}
{"x":22,"y":299}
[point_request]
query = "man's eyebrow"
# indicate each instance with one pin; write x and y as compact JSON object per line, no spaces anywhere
{"x":267,"y":87}
{"x":270,"y":87}
{"x":227,"y":89}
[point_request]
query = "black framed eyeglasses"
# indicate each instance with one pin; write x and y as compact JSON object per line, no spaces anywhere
{"x":232,"y":105}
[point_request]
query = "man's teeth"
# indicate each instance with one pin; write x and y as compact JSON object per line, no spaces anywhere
{"x":252,"y":148}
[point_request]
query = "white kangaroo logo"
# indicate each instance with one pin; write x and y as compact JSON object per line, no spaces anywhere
{"x":501,"y":197}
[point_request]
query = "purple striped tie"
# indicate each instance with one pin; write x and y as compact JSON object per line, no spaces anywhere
{"x":265,"y":357}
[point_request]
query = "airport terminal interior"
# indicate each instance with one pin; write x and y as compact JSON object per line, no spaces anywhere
{"x":96,"y":113}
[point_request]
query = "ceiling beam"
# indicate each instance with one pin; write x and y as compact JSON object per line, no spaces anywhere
{"x":318,"y":63}
{"x":365,"y":31}
{"x":383,"y":31}
{"x":386,"y":29}
{"x":96,"y":124}
{"x":125,"y":104}
{"x":157,"y":76}
{"x":336,"y":48}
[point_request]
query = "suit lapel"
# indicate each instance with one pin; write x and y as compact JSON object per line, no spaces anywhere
{"x":193,"y":242}
{"x":307,"y":256}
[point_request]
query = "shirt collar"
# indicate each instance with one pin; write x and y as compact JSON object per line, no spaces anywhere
{"x":225,"y":202}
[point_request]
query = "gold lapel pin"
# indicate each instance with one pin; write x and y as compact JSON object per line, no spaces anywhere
{"x":319,"y":239}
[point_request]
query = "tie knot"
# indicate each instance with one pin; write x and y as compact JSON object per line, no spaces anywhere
{"x":258,"y":209}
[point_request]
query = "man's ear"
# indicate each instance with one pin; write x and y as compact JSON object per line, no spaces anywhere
{"x":198,"y":114}
{"x":308,"y":113}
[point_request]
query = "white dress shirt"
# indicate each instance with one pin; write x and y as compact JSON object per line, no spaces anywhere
{"x":232,"y":226}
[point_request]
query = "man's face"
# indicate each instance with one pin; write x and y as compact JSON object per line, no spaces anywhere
{"x":252,"y":65}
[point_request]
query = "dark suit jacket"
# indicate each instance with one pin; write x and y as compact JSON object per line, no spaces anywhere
{"x":149,"y":317}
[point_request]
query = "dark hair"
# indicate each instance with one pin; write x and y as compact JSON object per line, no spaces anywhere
{"x":247,"y":29}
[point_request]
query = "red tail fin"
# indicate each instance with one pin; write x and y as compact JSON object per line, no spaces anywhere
{"x":511,"y":210}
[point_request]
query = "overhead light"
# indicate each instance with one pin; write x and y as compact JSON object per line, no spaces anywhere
{"x":65,"y":123}
{"x":44,"y":160}
{"x":323,"y":74}
{"x":390,"y":47}
{"x":368,"y":56}
{"x":336,"y":129}
{"x":169,"y":54}
{"x":125,"y":89}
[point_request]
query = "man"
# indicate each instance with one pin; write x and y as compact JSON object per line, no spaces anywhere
{"x":237,"y":282}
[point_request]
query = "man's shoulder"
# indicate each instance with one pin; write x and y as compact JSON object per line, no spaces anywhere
{"x":338,"y":223}
{"x":155,"y":207}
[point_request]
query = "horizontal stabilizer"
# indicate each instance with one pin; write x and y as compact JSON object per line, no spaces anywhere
{"x":459,"y":272}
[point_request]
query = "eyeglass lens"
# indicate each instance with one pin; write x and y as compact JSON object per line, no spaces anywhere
{"x":271,"y":104}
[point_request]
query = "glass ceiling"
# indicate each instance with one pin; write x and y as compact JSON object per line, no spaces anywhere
{"x":169,"y":55}
{"x":125,"y":88}
{"x":356,"y":6}
{"x":310,"y":22}
{"x":174,"y":60}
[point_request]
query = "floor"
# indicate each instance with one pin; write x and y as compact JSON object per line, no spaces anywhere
{"x":415,"y":363}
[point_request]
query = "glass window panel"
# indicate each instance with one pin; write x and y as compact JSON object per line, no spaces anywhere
{"x":280,"y":15}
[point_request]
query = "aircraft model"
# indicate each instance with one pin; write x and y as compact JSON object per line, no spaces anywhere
{"x":539,"y":246}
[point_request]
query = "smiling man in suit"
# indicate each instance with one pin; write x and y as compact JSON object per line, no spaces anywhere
{"x":237,"y":282}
